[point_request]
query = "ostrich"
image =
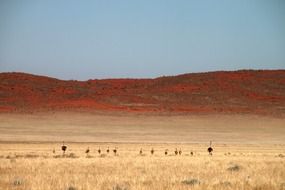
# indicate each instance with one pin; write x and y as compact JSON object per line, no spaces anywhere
{"x":141,"y":151}
{"x":166,"y":152}
{"x":180,"y":151}
{"x":152,"y":151}
{"x":87,"y":151}
{"x":108,"y":150}
{"x":191,"y":153}
{"x":53,"y":151}
{"x":63,"y":147}
{"x":99,"y":150}
{"x":210,"y":149}
{"x":115,"y":151}
{"x":176,"y":151}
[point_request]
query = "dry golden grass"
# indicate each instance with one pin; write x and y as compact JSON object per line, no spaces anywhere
{"x":25,"y":166}
{"x":248,"y":152}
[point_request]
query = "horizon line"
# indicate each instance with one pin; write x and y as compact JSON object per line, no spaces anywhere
{"x":142,"y":78}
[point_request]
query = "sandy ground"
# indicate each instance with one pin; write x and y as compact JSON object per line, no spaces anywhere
{"x":88,"y":127}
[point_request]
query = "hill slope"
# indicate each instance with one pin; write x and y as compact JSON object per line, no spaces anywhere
{"x":246,"y":91}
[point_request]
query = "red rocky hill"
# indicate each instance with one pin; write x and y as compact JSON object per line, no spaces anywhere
{"x":246,"y":91}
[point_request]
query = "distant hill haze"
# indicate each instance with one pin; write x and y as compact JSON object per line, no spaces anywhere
{"x":245,"y":92}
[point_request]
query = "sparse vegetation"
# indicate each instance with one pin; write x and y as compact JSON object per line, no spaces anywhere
{"x":120,"y":187}
{"x":71,"y":188}
{"x":234,"y":168}
{"x":18,"y":182}
{"x":129,"y":170}
{"x":191,"y":182}
{"x":252,"y":160}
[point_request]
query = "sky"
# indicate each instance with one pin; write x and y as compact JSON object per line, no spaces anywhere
{"x":80,"y":40}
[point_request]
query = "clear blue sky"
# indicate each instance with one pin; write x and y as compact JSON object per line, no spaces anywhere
{"x":72,"y":39}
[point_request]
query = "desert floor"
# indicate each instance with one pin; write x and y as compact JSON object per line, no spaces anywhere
{"x":99,"y":127}
{"x":249,"y":152}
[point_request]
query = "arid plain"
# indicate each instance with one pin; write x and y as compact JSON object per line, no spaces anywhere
{"x":249,"y":151}
{"x":241,"y":112}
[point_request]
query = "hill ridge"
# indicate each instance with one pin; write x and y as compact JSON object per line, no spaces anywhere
{"x":242,"y":91}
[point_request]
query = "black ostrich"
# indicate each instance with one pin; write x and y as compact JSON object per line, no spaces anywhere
{"x":191,"y":153}
{"x":63,"y":147}
{"x":166,"y":152}
{"x":141,"y":151}
{"x":115,"y":151}
{"x":152,"y":151}
{"x":180,"y":151}
{"x":87,"y":151}
{"x":108,"y":150}
{"x":210,"y":149}
{"x":176,"y":151}
{"x":99,"y":150}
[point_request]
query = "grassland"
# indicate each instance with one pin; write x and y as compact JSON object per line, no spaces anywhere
{"x":249,"y":152}
{"x":36,"y":167}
